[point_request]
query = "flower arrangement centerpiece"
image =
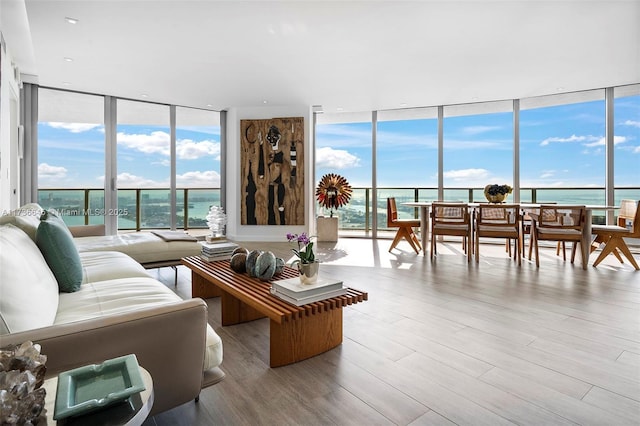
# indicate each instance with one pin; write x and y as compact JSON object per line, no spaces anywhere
{"x":306,"y":263}
{"x":333,"y":192}
{"x":497,"y":193}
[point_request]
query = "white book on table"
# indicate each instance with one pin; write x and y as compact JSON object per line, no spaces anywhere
{"x":294,"y":288}
{"x":309,"y":299}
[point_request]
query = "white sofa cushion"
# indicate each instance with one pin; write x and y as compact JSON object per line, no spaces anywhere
{"x":122,"y":295}
{"x":28,"y":289}
{"x":106,"y":265}
{"x":143,"y":247}
{"x":26,"y":218}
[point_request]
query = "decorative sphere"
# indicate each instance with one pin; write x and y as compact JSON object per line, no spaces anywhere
{"x":265,"y":266}
{"x":279,"y":266}
{"x":239,"y":262}
{"x":240,"y":250}
{"x":251,"y":262}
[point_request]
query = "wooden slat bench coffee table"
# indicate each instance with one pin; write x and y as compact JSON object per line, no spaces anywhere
{"x":296,"y":332}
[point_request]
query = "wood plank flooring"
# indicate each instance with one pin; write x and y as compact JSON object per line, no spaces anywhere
{"x":441,"y":342}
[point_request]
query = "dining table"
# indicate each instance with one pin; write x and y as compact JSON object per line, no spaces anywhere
{"x":585,"y":243}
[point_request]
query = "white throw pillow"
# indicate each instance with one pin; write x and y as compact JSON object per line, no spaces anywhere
{"x":26,"y":218}
{"x":28,"y":289}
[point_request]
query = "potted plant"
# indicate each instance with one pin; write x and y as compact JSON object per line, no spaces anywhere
{"x":333,"y":191}
{"x":306,"y":263}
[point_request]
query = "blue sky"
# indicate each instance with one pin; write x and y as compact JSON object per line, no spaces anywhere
{"x":560,"y":146}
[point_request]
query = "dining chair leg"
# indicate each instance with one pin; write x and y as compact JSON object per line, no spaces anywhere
{"x":535,"y":241}
{"x":613,"y":244}
{"x":477,"y":250}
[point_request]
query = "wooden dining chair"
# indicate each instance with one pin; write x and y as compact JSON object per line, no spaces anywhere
{"x":498,"y":221}
{"x":558,"y":223}
{"x":451,"y":219}
{"x":405,"y":227}
{"x":613,"y":235}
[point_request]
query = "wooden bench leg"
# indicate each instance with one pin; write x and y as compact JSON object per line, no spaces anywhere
{"x":293,"y":341}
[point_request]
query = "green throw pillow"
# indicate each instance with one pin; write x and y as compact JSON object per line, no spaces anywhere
{"x":56,"y":244}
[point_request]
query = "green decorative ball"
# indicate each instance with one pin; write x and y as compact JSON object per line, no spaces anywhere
{"x":265,"y":266}
{"x":251,"y":262}
{"x":240,"y":250}
{"x":239,"y":262}
{"x":279,"y":266}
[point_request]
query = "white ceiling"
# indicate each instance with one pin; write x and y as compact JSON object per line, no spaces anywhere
{"x":355,"y":55}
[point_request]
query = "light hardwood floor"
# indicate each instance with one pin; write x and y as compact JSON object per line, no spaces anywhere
{"x":442,"y":342}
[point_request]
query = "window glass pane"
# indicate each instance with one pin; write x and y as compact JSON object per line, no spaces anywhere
{"x":562,"y":146}
{"x":407,"y":159}
{"x":197,"y":165}
{"x":478,"y":149}
{"x":144,"y":162}
{"x":344,"y":148}
{"x":71,"y":155}
{"x":627,"y":143}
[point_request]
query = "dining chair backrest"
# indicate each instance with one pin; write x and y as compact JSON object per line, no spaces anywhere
{"x":561,"y":217}
{"x":392,"y":211}
{"x":450,"y":213}
{"x":498,"y":215}
{"x":629,"y":216}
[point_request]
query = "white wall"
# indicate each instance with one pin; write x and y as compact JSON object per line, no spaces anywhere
{"x":9,"y":121}
{"x":235,"y":230}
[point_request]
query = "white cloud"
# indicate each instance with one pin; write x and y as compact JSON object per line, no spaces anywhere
{"x":335,"y":158}
{"x":570,"y":139}
{"x":632,"y":123}
{"x":475,"y":130}
{"x":73,"y":127}
{"x":547,"y":174}
{"x":187,"y":149}
{"x":602,"y":141}
{"x":159,"y":142}
{"x":45,"y":171}
{"x":154,"y":143}
{"x":636,"y":150}
{"x":128,"y":180}
{"x":197,"y":179}
{"x":466,"y":174}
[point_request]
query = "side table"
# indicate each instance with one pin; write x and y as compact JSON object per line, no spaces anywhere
{"x":130,"y":413}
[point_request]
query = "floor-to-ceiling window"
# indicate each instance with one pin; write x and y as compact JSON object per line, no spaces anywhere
{"x":144,"y":165}
{"x":478,"y":148}
{"x":71,"y":155}
{"x":197,"y":165}
{"x":562,"y":148}
{"x":343,"y":146}
{"x":627,"y":142}
{"x":407,"y":158}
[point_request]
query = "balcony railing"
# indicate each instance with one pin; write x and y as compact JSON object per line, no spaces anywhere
{"x":150,"y":208}
{"x":137,"y":208}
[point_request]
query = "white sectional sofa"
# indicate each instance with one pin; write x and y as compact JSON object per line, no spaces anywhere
{"x":119,"y":309}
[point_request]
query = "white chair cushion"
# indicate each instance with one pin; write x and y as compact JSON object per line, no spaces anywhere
{"x":28,"y":290}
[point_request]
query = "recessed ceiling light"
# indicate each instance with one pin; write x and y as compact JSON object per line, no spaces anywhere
{"x":559,"y":88}
{"x":474,"y":98}
{"x":71,"y":20}
{"x":144,"y":95}
{"x":209,"y":105}
{"x":265,"y":101}
{"x":66,"y":83}
{"x":68,"y":59}
{"x":340,"y":109}
{"x":404,"y":104}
